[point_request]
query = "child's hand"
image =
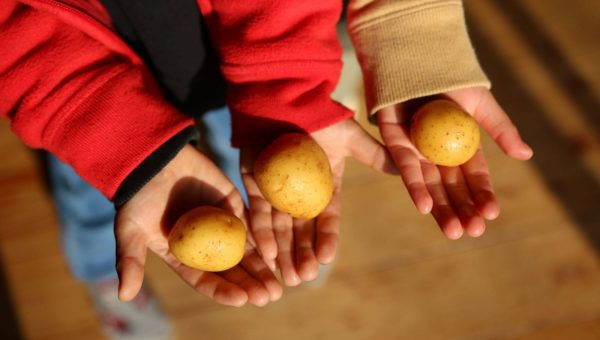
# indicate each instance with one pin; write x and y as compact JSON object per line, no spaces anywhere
{"x":188,"y":181}
{"x":298,"y":246}
{"x":459,"y":198}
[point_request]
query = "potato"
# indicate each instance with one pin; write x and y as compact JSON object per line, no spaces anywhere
{"x":294,"y":175}
{"x":444,"y":133}
{"x":208,"y":238}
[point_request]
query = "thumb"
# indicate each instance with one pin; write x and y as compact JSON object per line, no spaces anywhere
{"x":131,"y":257}
{"x":369,"y":151}
{"x":496,"y":122}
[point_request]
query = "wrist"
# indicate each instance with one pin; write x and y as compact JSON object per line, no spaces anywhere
{"x":154,"y":165}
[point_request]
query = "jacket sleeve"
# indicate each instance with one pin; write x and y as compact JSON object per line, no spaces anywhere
{"x":412,"y":48}
{"x":65,"y":92}
{"x":281,"y":63}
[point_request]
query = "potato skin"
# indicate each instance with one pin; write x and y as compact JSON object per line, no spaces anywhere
{"x":294,"y":175}
{"x":444,"y":133}
{"x":208,"y":238}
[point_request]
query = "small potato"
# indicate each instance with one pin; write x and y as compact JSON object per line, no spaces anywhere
{"x":294,"y":175}
{"x":444,"y":133}
{"x":209,"y":239}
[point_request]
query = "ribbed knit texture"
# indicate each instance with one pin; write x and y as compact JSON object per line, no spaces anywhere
{"x":412,"y":48}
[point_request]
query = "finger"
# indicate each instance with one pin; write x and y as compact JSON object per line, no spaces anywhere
{"x":461,"y":201}
{"x":369,"y":151}
{"x":220,"y":290}
{"x":131,"y":257}
{"x":254,"y":265}
{"x":408,"y":162}
{"x":260,"y":210}
{"x":209,"y":284}
{"x":257,"y":292}
{"x":328,"y":228}
{"x":260,"y":220}
{"x":284,"y":234}
{"x":412,"y":176}
{"x":235,"y":203}
{"x":442,"y":210}
{"x":307,"y":265}
{"x":392,"y":114}
{"x":477,"y":176}
{"x":498,"y":125}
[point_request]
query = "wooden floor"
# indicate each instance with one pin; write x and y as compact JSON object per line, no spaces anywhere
{"x":534,"y":275}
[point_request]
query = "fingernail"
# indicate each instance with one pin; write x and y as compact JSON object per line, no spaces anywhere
{"x":524,"y":151}
{"x":455,"y":233}
{"x":492,"y":215}
{"x":294,"y":281}
{"x":528,"y":151}
{"x":425,"y":209}
{"x":477,"y":232}
{"x":262,"y":301}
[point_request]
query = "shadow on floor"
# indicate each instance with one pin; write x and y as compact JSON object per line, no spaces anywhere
{"x":556,"y":156}
{"x":9,"y":326}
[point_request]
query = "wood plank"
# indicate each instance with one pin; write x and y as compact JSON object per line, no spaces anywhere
{"x":587,"y":330}
{"x":495,"y":292}
{"x":558,"y":107}
{"x":372,"y":247}
{"x":49,"y":302}
{"x":573,"y":27}
{"x":532,"y":276}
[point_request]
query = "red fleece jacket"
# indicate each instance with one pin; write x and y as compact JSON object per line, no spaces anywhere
{"x":281,"y":61}
{"x":71,"y":86}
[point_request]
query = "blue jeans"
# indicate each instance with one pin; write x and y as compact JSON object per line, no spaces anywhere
{"x":87,"y":217}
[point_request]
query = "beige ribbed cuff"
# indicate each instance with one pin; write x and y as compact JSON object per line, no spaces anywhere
{"x":408,"y":52}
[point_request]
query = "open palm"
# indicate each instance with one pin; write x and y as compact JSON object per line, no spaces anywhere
{"x":188,"y":181}
{"x":298,"y":246}
{"x":459,"y":198}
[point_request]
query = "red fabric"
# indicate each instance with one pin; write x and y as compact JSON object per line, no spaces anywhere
{"x":281,"y":60}
{"x":71,"y":86}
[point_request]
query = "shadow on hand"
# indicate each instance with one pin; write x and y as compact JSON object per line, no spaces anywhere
{"x":411,"y":107}
{"x":189,"y":193}
{"x":9,"y":323}
{"x":558,"y":156}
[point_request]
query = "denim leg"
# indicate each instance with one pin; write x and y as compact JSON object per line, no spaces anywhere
{"x":218,"y":138}
{"x":87,"y":220}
